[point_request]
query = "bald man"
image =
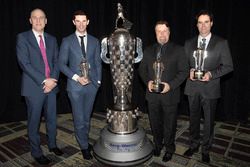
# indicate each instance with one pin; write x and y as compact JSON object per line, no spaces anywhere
{"x":37,"y":54}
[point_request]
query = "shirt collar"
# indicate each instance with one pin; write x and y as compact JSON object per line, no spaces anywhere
{"x":207,"y":37}
{"x":79,"y":34}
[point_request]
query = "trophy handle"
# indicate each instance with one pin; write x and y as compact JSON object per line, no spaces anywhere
{"x":138,"y":50}
{"x":105,"y":51}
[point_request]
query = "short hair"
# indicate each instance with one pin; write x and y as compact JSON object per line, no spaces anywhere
{"x":162,"y":22}
{"x":79,"y":12}
{"x":205,"y":12}
{"x":37,"y":9}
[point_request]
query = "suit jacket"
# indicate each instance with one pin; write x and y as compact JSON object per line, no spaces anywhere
{"x":175,"y":70}
{"x":218,"y":62}
{"x":31,"y":62}
{"x":70,"y":57}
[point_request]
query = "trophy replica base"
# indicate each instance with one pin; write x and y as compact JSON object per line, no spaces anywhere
{"x":158,"y":88}
{"x":123,"y":149}
{"x":199,"y":74}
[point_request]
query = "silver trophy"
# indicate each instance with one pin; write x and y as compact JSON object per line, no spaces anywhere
{"x":199,"y":56}
{"x":84,"y":67}
{"x":122,"y":142}
{"x":158,"y":68}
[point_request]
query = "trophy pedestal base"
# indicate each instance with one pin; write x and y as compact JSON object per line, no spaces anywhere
{"x":158,"y":88}
{"x":123,"y":149}
{"x":199,"y":74}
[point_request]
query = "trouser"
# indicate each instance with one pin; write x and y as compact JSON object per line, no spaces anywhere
{"x":209,"y":107}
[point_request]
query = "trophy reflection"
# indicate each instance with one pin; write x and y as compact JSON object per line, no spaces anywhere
{"x":199,"y":55}
{"x":84,"y":67}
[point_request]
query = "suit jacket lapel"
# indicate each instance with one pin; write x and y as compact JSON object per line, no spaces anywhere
{"x":48,"y":48}
{"x":76,"y":45}
{"x":34,"y":44}
{"x":211,"y":43}
{"x":88,"y":46}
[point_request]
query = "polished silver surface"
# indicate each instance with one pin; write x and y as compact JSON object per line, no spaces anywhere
{"x":122,"y":142}
{"x":199,"y":56}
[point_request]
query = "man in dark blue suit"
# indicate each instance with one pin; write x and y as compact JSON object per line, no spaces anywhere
{"x":37,"y":54}
{"x":204,"y":93}
{"x":74,"y":49}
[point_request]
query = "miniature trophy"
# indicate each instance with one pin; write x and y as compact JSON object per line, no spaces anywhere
{"x":158,"y":68}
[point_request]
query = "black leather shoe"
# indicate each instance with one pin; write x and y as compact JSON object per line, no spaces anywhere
{"x":42,"y":160}
{"x":205,"y":158}
{"x":191,"y":151}
{"x":86,"y":154}
{"x":90,"y":147}
{"x":157,"y":152}
{"x":56,"y":151}
{"x":167,"y":157}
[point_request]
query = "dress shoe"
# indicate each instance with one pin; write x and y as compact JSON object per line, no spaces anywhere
{"x":191,"y":151}
{"x":157,"y":152}
{"x":167,"y":157}
{"x":205,"y":158}
{"x":42,"y":160}
{"x":56,"y":151}
{"x":86,"y":154}
{"x":90,"y":147}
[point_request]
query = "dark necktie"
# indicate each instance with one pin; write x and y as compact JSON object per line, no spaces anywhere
{"x":203,"y":43}
{"x":158,"y":57}
{"x":83,"y":46}
{"x":45,"y":60}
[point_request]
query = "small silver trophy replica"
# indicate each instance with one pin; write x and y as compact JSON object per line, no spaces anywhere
{"x":199,"y":56}
{"x":122,"y":142}
{"x":84,"y":67}
{"x":158,"y":68}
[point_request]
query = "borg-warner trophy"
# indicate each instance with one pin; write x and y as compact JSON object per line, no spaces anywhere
{"x":158,"y":68}
{"x":122,"y":142}
{"x":199,"y":56}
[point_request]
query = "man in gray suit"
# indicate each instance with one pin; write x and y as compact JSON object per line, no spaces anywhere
{"x":74,"y":49}
{"x":205,"y":92}
{"x":37,"y":54}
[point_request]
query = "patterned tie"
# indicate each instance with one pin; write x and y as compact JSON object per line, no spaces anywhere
{"x":45,"y":60}
{"x":83,"y":46}
{"x":203,"y":43}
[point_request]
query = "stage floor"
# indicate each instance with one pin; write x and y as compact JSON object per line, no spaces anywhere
{"x":231,"y":147}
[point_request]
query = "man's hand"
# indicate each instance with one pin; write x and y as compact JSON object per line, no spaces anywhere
{"x":150,"y":85}
{"x":83,"y":80}
{"x":191,"y":75}
{"x":166,"y":87}
{"x":206,"y":77}
{"x":49,"y":84}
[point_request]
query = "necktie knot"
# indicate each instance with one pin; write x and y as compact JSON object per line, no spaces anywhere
{"x":203,"y":43}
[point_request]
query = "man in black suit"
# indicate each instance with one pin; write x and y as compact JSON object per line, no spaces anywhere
{"x":205,"y":92}
{"x":162,"y":106}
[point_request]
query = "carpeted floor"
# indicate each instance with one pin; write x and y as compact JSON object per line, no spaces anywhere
{"x":231,"y":146}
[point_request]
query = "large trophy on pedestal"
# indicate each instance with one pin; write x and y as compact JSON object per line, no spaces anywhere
{"x":122,"y":142}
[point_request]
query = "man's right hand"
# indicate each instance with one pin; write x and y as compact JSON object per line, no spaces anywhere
{"x":83,"y":80}
{"x":150,"y":85}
